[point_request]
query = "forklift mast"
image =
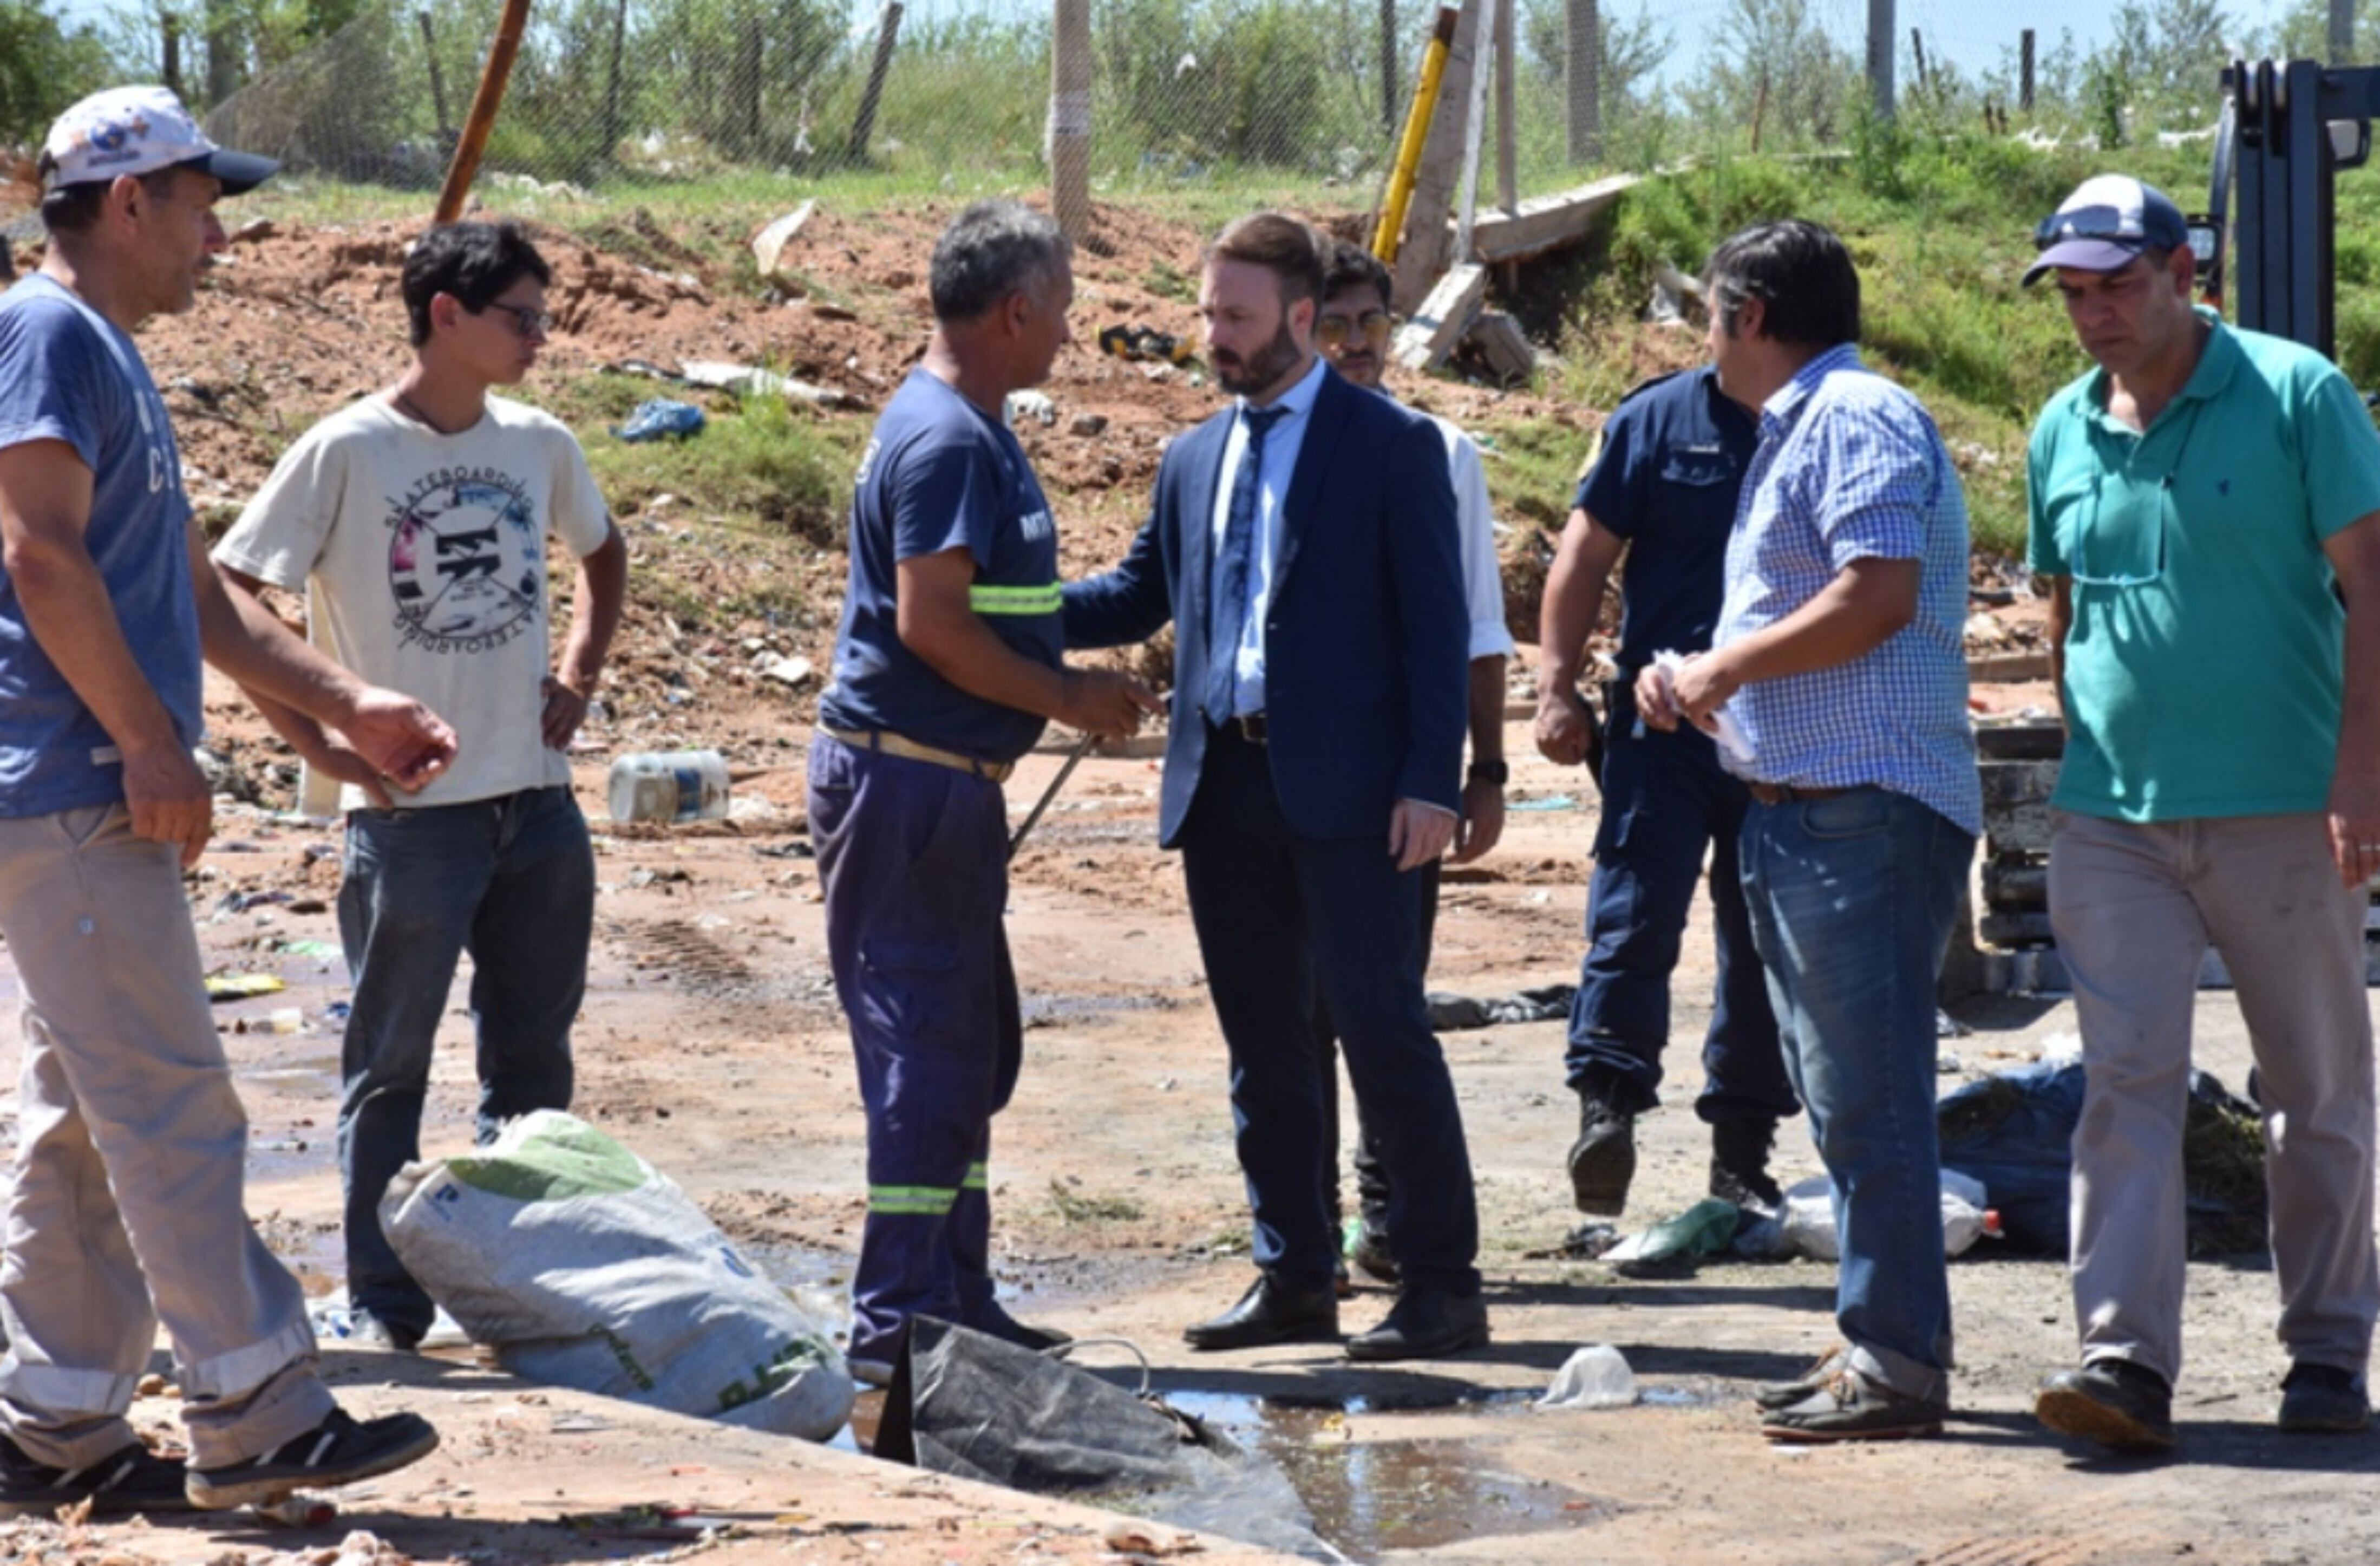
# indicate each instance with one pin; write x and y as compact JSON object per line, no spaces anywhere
{"x":2286,"y":131}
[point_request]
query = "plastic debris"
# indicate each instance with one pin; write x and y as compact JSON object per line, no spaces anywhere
{"x":1544,"y":802}
{"x":1145,"y":343}
{"x":243,"y":986}
{"x":1593,"y":1378}
{"x":657,"y":417}
{"x":1703,"y":1229}
{"x":1810,"y":1217}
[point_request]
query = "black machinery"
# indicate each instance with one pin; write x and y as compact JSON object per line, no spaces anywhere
{"x":2286,"y":131}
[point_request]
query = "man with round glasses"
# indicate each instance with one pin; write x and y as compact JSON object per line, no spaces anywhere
{"x":2205,"y":508}
{"x":1353,"y":329}
{"x":415,"y":522}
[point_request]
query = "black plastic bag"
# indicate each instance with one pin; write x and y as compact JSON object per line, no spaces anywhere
{"x":966,"y":1403}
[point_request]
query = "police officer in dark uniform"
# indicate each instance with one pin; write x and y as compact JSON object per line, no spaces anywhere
{"x":945,"y":668}
{"x":1661,"y":489}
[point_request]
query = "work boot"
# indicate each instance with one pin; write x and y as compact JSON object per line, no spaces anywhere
{"x":1739,"y":1166}
{"x":1373,"y":1255}
{"x":1603,"y":1160}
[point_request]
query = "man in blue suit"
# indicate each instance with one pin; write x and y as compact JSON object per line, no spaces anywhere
{"x":1303,"y":544}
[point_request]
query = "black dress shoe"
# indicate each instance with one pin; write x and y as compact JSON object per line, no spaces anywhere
{"x":1270,"y":1312}
{"x":1425,"y":1324}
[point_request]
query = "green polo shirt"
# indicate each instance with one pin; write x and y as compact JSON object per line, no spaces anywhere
{"x":2202,"y":671}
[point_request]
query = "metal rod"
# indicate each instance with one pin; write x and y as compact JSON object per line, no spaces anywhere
{"x":1082,"y":747}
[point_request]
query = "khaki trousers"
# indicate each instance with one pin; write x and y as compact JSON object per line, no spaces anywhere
{"x":2135,"y":907}
{"x":130,"y":1168}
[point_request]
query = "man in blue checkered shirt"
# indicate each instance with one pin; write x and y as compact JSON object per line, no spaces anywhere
{"x":1838,"y":674}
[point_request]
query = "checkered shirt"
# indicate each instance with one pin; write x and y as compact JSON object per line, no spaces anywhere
{"x":1850,"y":467}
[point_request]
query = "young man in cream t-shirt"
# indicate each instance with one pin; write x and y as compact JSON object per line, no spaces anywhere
{"x":417,"y":521}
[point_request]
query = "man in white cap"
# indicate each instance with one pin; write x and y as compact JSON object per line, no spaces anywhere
{"x":128,"y":1205}
{"x":2205,"y":507}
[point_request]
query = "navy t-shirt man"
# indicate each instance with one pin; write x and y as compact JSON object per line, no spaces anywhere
{"x":943,"y":474}
{"x":1666,"y":479}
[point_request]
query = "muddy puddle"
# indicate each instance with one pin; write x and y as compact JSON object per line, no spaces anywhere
{"x":1369,"y":1498}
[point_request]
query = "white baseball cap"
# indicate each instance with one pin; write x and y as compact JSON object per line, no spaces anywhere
{"x":2109,"y":219}
{"x":139,"y":130}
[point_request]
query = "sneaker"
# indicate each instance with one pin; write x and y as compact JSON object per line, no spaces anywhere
{"x":1739,"y":1166}
{"x":1603,"y":1160}
{"x":2119,"y":1404}
{"x":1848,"y":1406}
{"x":339,"y":1450}
{"x":129,"y":1480}
{"x":2324,"y":1400}
{"x":1770,"y":1396}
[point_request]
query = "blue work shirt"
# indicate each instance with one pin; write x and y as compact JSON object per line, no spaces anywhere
{"x":939,"y":474}
{"x":68,"y":374}
{"x":1665,"y":477}
{"x":1851,"y":468}
{"x":1282,"y":442}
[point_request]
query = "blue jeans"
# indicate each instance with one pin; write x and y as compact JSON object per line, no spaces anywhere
{"x":1853,"y":900}
{"x":509,"y":880}
{"x":1665,"y":800}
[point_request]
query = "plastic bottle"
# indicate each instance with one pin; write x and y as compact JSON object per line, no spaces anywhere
{"x":674,"y":785}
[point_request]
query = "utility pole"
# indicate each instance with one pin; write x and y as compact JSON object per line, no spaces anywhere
{"x":2024,"y":72}
{"x":1389,"y":106}
{"x":1879,"y":57}
{"x":1069,"y":118}
{"x":2342,"y":31}
{"x":1583,"y":66}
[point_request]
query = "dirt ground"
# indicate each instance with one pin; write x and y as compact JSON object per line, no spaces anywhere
{"x":710,"y":1043}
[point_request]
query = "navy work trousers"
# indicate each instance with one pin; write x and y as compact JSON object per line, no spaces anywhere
{"x":1282,"y":919}
{"x":915,"y":861}
{"x":1665,"y":800}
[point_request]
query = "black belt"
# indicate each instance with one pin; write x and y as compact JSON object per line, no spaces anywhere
{"x":1249,"y":726}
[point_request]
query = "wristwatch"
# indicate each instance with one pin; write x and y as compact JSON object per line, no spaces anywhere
{"x":1497,"y":772}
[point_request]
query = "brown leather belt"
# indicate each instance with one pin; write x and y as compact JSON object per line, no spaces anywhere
{"x":890,"y":743}
{"x":1780,"y":794}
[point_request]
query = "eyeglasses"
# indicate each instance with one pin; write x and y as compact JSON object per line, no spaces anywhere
{"x":527,"y":321}
{"x":1334,"y":331}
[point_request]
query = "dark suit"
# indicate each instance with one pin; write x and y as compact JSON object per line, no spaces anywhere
{"x":1285,"y":843}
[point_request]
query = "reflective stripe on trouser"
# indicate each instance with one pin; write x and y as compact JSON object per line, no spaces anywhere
{"x":914,"y":858}
{"x":131,"y":1167}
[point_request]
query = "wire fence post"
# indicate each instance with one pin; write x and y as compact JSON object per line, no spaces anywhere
{"x":888,"y":32}
{"x":1069,"y":117}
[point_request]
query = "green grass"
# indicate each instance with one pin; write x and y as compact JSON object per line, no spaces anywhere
{"x":756,"y":463}
{"x":1941,"y":229}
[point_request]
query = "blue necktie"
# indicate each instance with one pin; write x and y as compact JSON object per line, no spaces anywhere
{"x":1227,"y":591}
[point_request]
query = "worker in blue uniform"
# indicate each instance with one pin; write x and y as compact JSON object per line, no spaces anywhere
{"x":1661,"y":489}
{"x":946,"y":666}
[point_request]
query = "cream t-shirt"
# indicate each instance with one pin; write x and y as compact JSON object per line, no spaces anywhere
{"x":422,"y":557}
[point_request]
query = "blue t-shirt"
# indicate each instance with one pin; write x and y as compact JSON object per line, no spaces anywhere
{"x":941,"y":474}
{"x":68,"y":374}
{"x":1666,"y":478}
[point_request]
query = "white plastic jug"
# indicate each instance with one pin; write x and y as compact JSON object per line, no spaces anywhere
{"x":673,"y":786}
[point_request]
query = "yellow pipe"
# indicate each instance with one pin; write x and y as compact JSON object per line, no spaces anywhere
{"x":1387,"y":236}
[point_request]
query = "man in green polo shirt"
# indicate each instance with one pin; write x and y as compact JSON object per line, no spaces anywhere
{"x":2205,"y":507}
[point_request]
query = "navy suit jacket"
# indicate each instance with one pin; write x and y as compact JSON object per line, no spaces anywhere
{"x":1367,"y":639}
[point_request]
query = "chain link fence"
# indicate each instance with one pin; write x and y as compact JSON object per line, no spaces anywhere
{"x":748,"y":94}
